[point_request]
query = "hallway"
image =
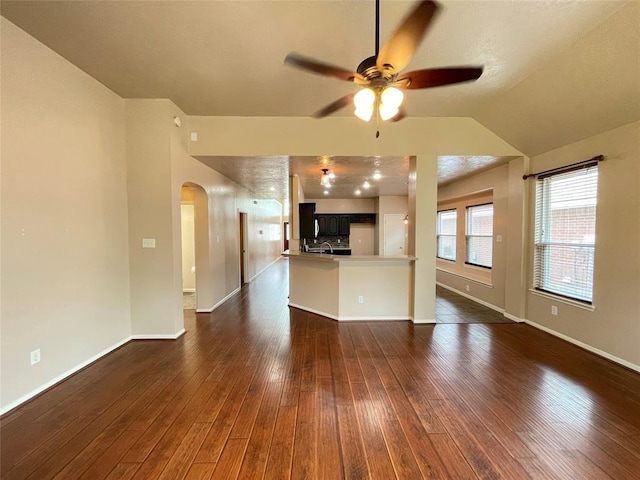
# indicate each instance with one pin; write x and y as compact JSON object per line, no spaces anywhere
{"x":256,"y":390}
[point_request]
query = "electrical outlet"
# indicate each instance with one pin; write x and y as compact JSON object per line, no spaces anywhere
{"x":467,"y":288}
{"x":554,"y":310}
{"x":360,"y":299}
{"x":35,"y":357}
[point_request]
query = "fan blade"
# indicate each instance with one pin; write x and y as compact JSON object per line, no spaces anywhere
{"x":436,"y":77}
{"x":335,"y":106}
{"x":397,"y":52}
{"x":311,"y":65}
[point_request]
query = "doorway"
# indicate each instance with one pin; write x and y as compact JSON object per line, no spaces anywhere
{"x":187,"y":223}
{"x":395,"y":234}
{"x":286,"y":236}
{"x":244,"y":245}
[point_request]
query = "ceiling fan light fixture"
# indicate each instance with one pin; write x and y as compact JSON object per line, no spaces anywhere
{"x":364,"y":102}
{"x":390,"y":100}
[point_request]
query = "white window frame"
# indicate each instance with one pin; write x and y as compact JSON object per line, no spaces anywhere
{"x":543,"y":245}
{"x":439,"y":235}
{"x":469,"y":235}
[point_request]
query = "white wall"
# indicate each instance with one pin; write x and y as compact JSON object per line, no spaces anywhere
{"x":613,"y":326}
{"x":488,"y":186}
{"x":187,"y":217}
{"x":65,"y":261}
{"x":88,"y":175}
{"x":344,"y":205}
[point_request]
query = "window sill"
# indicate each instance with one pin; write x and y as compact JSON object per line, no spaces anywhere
{"x":474,"y":279}
{"x":566,"y":301}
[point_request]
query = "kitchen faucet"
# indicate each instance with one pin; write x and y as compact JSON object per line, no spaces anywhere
{"x":330,"y":247}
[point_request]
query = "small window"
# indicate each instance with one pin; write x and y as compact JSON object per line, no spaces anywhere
{"x":446,"y":234}
{"x":480,"y":235}
{"x":565,"y":232}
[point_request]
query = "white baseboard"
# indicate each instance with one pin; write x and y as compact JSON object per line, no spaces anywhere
{"x":255,"y":276}
{"x":209,"y":310}
{"x":160,"y":336}
{"x":374,"y":319}
{"x":470,"y":297}
{"x":348,"y":319}
{"x":313,"y":310}
{"x":423,"y":321}
{"x":587,"y":347}
{"x":514,"y":318}
{"x":61,"y":377}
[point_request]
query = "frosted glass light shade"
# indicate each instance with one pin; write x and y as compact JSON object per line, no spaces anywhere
{"x":390,"y":101}
{"x":364,"y":101}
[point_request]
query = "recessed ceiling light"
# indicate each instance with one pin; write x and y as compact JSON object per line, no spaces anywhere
{"x":358,"y":192}
{"x":377,"y":175}
{"x":272,"y":189}
{"x":326,"y":192}
{"x":366,"y":185}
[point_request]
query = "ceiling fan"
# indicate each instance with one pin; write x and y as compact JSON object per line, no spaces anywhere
{"x":380,"y":75}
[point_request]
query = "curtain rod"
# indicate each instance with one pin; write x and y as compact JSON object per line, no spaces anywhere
{"x":566,"y":168}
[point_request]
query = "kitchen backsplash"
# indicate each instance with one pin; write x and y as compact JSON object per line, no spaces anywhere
{"x":333,"y":240}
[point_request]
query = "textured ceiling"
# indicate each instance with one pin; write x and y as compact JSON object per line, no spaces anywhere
{"x":555,"y":70}
{"x":268,"y":177}
{"x":226,"y":57}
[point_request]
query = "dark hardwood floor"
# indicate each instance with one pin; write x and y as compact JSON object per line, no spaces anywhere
{"x":255,"y":390}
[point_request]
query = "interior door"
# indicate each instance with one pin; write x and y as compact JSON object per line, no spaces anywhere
{"x":395,"y":234}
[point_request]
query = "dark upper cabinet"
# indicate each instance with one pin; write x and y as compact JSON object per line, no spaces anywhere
{"x":323,"y":222}
{"x":333,"y":227}
{"x":333,"y":224}
{"x":344,"y":224}
{"x":307,"y":224}
{"x":369,"y":218}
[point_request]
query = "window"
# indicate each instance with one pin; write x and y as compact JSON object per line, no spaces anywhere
{"x":565,"y":230}
{"x":480,"y":235}
{"x":446,"y":235}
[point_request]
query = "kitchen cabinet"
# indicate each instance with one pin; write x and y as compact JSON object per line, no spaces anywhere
{"x":307,"y":224}
{"x":369,"y":218}
{"x":344,"y":225}
{"x":333,"y":224}
{"x":323,"y":221}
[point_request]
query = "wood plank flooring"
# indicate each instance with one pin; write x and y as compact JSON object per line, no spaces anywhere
{"x":256,"y":390}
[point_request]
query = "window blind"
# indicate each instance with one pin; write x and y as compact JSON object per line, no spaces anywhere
{"x":446,"y":234}
{"x":479,"y":236}
{"x":565,"y":230}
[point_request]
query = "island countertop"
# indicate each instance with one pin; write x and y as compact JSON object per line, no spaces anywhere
{"x":324,"y":257}
{"x":351,"y":287}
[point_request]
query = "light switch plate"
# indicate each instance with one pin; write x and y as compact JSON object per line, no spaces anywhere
{"x":148,"y":243}
{"x":194,"y":136}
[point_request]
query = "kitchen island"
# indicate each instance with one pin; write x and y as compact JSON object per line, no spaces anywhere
{"x":351,"y":287}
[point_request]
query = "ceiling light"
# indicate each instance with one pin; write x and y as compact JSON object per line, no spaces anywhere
{"x":388,"y":103}
{"x":326,"y":192}
{"x":272,"y":189}
{"x":377,"y":175}
{"x":325,"y":179}
{"x":364,"y":102}
{"x":392,"y":97}
{"x":358,"y":192}
{"x":366,"y":185}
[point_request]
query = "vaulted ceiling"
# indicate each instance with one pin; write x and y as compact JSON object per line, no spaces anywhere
{"x":555,"y":71}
